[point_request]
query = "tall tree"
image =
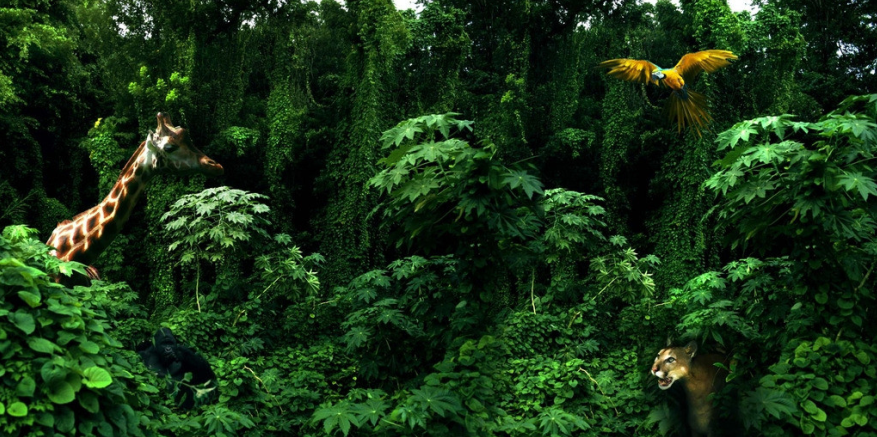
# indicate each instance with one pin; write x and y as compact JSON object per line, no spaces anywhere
{"x":379,"y":37}
{"x":841,"y":38}
{"x":46,"y":98}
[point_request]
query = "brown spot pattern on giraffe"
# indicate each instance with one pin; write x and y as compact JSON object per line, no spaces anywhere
{"x":167,"y":150}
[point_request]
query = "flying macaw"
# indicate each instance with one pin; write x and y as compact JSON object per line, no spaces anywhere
{"x":684,"y":105}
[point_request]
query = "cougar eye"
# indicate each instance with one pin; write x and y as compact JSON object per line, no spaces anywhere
{"x":671,"y":360}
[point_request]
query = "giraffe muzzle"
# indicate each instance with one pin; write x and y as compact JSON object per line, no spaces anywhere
{"x":210,"y":167}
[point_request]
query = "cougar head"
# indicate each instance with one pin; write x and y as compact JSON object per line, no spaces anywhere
{"x":673,"y":364}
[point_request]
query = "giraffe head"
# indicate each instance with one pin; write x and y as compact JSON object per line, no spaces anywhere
{"x":174,"y":153}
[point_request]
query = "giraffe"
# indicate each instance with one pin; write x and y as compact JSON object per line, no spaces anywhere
{"x":168,"y":150}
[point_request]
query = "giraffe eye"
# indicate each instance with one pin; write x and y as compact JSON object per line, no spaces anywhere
{"x":170,"y":147}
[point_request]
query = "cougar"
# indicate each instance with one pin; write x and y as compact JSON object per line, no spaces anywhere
{"x":699,"y":378}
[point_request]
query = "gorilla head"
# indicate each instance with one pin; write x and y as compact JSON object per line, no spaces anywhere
{"x":168,"y":357}
{"x":166,"y":344}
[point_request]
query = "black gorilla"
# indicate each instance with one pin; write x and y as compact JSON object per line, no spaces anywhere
{"x":168,"y":357}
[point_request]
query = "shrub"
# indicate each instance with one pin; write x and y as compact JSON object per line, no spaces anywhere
{"x":60,"y":371}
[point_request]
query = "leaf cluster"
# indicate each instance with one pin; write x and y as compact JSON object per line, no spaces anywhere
{"x":440,"y":185}
{"x":204,"y":225}
{"x":60,"y":370}
{"x":825,"y":387}
{"x":785,"y":180}
{"x":410,"y":311}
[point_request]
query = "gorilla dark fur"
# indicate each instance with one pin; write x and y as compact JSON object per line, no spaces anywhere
{"x":167,"y":357}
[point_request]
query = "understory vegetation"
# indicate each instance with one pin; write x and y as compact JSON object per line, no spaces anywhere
{"x":442,"y":223}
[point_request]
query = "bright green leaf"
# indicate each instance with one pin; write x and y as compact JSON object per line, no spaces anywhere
{"x":41,"y":345}
{"x":96,"y":377}
{"x":17,"y":409}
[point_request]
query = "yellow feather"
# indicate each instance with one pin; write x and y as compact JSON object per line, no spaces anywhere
{"x":632,"y":70}
{"x":688,"y":112}
{"x":708,"y":60}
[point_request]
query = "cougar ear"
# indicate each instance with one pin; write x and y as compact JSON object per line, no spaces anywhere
{"x":691,"y":348}
{"x":669,"y":341}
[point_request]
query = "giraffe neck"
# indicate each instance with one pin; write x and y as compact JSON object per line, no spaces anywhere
{"x":85,"y":237}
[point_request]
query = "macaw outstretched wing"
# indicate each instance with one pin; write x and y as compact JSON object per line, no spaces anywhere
{"x":633,"y":70}
{"x":708,"y":60}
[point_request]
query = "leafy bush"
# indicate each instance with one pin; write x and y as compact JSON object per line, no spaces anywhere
{"x":439,"y":185}
{"x":802,"y":195}
{"x":60,"y":369}
{"x":448,"y":326}
{"x":808,"y":185}
{"x":832,"y":385}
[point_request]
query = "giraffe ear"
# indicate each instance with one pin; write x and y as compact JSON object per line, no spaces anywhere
{"x":151,"y":145}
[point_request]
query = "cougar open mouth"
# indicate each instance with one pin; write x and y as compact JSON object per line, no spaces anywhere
{"x":665,"y":383}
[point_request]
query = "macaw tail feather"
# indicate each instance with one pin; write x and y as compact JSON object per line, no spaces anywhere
{"x":688,"y":108}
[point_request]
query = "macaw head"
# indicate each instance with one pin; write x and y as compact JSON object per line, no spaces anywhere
{"x":657,"y":75}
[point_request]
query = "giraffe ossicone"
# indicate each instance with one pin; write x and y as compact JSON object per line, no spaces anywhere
{"x":167,"y":150}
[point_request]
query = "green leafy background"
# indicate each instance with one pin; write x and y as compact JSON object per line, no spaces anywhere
{"x":444,"y":222}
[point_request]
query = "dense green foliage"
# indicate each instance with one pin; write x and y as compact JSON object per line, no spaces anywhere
{"x":441,"y":223}
{"x":61,"y":371}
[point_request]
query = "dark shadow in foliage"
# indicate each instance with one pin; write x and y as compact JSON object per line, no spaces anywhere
{"x":167,"y":357}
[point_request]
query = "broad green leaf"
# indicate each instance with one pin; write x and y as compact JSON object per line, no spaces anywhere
{"x":819,"y":383}
{"x":42,"y":345}
{"x":26,"y":387}
{"x":176,"y":224}
{"x":89,"y":347}
{"x":765,"y":153}
{"x":521,"y":179}
{"x":187,"y":257}
{"x":45,"y":419}
{"x":23,"y":321}
{"x":96,"y":377}
{"x":105,"y":429}
{"x":406,"y":129}
{"x":740,"y":131}
{"x":65,"y":420}
{"x":845,"y":304}
{"x":440,"y":401}
{"x":33,"y":300}
{"x":356,"y":337}
{"x":857,"y":181}
{"x":205,"y":208}
{"x":371,"y":411}
{"x":89,"y":401}
{"x":61,"y":393}
{"x":336,"y":415}
{"x":837,"y":401}
{"x":17,"y":409}
{"x":52,"y":373}
{"x":807,"y":427}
